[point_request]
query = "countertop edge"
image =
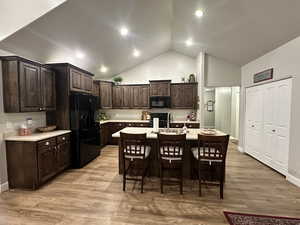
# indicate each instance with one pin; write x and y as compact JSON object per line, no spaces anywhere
{"x":35,"y":137}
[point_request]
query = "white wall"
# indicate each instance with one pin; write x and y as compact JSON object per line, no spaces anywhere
{"x":209,"y":117}
{"x":286,"y":62}
{"x":16,"y":14}
{"x":9,"y":124}
{"x":219,"y":73}
{"x":167,"y":66}
{"x":223,"y":109}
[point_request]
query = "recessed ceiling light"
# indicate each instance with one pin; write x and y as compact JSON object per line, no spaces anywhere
{"x":189,"y":42}
{"x":136,"y":53}
{"x":80,"y":55}
{"x":124,"y":31}
{"x":103,"y":69}
{"x":199,"y":13}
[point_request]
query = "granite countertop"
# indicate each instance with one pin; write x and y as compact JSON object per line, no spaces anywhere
{"x":191,"y":135}
{"x":142,"y":121}
{"x":38,"y":136}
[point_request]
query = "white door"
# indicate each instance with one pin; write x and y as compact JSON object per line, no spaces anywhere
{"x":254,"y":116}
{"x":281,"y":124}
{"x":268,"y":123}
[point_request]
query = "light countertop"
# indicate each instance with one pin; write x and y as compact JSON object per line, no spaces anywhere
{"x":38,"y":136}
{"x":191,"y":135}
{"x":142,"y":121}
{"x":123,"y":121}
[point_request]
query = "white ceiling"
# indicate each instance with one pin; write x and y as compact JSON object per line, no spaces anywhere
{"x":235,"y":30}
{"x":12,"y":14}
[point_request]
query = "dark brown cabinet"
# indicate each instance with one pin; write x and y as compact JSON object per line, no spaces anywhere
{"x":108,"y":129}
{"x":48,"y":91}
{"x":188,"y":125}
{"x":31,"y":164}
{"x":106,"y":93}
{"x":27,"y":86}
{"x":30,"y":87}
{"x":184,"y":96}
{"x":127,"y":97}
{"x":118,"y":96}
{"x":69,"y":78}
{"x":130,"y":96}
{"x":96,"y":89}
{"x":160,"y":87}
{"x":140,"y":96}
{"x":80,"y":81}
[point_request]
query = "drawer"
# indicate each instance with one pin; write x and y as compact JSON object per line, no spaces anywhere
{"x":176,"y":125}
{"x":63,"y":138}
{"x":193,"y":125}
{"x":47,"y":142}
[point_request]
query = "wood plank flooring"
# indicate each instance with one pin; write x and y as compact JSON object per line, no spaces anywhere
{"x":93,"y":196}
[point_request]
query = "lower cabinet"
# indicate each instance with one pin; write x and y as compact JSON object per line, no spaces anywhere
{"x":188,"y":125}
{"x":108,"y":129}
{"x":30,"y":164}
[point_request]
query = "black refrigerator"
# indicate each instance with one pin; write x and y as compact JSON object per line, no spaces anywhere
{"x":85,"y":138}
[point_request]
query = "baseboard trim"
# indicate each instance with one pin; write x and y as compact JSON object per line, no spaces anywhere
{"x":240,"y":149}
{"x":292,"y":179}
{"x":4,"y":187}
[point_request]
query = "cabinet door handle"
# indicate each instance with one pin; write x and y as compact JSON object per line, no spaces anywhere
{"x":47,"y":143}
{"x":63,"y":138}
{"x":273,"y":130}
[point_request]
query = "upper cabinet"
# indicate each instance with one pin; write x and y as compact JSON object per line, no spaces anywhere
{"x":27,"y":86}
{"x":184,"y":95}
{"x":80,"y":81}
{"x":130,"y":96}
{"x":96,"y":88}
{"x":160,"y":87}
{"x":106,"y":94}
{"x":140,"y":96}
{"x":49,"y":90}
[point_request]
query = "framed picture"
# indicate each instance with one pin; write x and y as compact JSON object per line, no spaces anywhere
{"x":263,"y":76}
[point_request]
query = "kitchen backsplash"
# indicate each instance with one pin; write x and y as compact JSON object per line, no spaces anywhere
{"x":132,"y":114}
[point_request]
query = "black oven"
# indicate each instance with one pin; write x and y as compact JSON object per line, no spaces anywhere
{"x":160,"y":102}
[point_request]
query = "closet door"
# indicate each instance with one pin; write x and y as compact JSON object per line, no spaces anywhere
{"x":269,"y":91}
{"x":281,"y":125}
{"x":254,"y":121}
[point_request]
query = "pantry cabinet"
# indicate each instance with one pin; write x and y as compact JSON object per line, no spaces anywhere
{"x":27,"y":86}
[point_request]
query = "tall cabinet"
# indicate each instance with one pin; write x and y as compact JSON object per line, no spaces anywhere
{"x":267,"y":128}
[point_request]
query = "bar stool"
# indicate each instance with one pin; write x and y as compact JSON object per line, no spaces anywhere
{"x":171,"y":151}
{"x":211,"y":151}
{"x":134,"y":150}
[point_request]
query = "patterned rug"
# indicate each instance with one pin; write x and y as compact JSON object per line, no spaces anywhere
{"x":250,"y":219}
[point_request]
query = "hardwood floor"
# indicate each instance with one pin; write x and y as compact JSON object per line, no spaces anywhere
{"x":94,"y":196}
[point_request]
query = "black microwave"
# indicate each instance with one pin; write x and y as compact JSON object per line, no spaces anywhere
{"x":160,"y":102}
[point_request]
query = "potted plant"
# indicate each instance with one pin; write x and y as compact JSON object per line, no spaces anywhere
{"x":117,"y":79}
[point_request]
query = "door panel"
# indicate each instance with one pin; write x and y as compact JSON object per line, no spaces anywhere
{"x":48,"y":89}
{"x":46,"y":163}
{"x":30,"y":87}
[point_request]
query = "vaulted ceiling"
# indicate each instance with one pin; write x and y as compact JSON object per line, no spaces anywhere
{"x":234,"y":30}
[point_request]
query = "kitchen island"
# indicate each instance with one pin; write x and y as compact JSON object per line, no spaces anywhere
{"x":191,"y":141}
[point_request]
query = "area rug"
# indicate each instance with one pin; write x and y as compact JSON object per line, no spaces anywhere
{"x":251,"y":219}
